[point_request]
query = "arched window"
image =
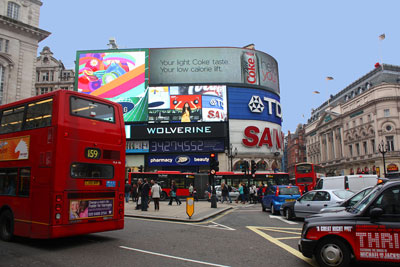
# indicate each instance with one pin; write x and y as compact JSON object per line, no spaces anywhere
{"x":13,"y":10}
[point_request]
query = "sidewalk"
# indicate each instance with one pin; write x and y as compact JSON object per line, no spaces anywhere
{"x":202,"y":211}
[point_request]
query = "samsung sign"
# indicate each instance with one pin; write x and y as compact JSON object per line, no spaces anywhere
{"x":235,"y":66}
{"x":178,"y":160}
{"x":181,"y":130}
{"x":254,"y":104}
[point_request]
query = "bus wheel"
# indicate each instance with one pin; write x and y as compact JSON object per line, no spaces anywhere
{"x":6,"y":225}
{"x":332,"y":252}
{"x":163,"y":196}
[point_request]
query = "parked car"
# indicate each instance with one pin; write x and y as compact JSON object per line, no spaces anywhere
{"x":276,"y":195}
{"x":369,"y":231}
{"x":234,"y":194}
{"x":348,"y":203}
{"x":354,"y":183}
{"x":312,"y":202}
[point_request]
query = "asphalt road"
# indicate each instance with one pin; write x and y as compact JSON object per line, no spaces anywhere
{"x":241,"y":237}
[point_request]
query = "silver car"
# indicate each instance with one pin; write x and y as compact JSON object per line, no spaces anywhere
{"x":234,"y":194}
{"x":312,"y":202}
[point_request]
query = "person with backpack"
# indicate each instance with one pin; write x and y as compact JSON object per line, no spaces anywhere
{"x":173,"y":194}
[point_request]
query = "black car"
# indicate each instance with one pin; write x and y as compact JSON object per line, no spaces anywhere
{"x":369,"y":231}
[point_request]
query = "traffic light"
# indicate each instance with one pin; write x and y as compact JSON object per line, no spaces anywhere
{"x":245,"y":166}
{"x":214,"y":164}
{"x":253,"y":167}
{"x":141,"y":168}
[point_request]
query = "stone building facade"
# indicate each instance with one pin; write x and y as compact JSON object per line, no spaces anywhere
{"x":344,"y":134}
{"x":51,"y":74}
{"x":19,"y":38}
{"x":296,"y":149}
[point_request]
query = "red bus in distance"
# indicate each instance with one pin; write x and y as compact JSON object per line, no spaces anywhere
{"x":307,"y":175}
{"x":62,"y":164}
{"x":200,"y":180}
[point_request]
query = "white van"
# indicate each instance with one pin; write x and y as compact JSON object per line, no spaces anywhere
{"x":351,"y":182}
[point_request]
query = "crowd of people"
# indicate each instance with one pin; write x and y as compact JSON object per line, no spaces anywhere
{"x":142,"y":193}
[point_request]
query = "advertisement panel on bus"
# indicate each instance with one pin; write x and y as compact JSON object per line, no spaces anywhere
{"x":117,"y":75}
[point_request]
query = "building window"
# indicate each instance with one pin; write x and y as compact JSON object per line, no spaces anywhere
{"x":361,"y":121}
{"x":13,"y":10}
{"x":390,"y":143}
{"x":350,"y":150}
{"x":44,"y":90}
{"x":45,"y":76}
{"x":386,"y":112}
{"x":369,"y":117}
{"x":373,"y":145}
{"x":365,"y":148}
{"x":6,"y":46}
{"x":358,"y":149}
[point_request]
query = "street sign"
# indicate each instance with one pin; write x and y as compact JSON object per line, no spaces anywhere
{"x":190,"y":206}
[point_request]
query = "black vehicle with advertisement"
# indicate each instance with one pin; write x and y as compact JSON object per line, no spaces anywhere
{"x":369,"y":231}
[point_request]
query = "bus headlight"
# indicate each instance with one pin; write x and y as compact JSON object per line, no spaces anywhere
{"x":58,"y":216}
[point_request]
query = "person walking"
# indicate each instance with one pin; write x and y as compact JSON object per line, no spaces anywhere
{"x":191,"y":190}
{"x":195,"y":194}
{"x":134,"y":192}
{"x":128,"y":189}
{"x":139,"y":194}
{"x":173,"y":194}
{"x":224,"y":193}
{"x":155,"y":194}
{"x":241,"y":194}
{"x":145,"y":195}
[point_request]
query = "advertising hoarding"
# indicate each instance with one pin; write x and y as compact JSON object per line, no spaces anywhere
{"x":254,"y":104}
{"x":178,"y":160}
{"x":90,"y":208}
{"x":179,"y":146}
{"x":15,"y":148}
{"x":117,"y":75}
{"x":257,"y":138}
{"x":225,"y":65}
{"x":187,"y":103}
{"x":180,"y":131}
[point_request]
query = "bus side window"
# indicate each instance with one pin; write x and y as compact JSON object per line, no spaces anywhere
{"x":24,"y":182}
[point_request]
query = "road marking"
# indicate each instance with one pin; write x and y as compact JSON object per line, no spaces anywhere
{"x":173,"y":257}
{"x":214,"y":225}
{"x":289,"y":237}
{"x":281,"y":244}
{"x":282,"y":219}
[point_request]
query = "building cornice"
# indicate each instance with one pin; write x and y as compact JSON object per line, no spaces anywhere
{"x":38,"y":34}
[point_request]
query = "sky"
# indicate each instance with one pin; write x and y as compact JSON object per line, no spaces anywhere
{"x":310,"y":39}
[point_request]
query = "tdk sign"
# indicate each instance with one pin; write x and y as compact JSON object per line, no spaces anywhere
{"x":254,"y":104}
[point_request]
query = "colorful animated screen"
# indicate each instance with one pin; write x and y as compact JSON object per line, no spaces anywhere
{"x":119,"y":76}
{"x":187,"y":103}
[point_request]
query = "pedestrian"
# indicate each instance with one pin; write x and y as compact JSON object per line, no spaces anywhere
{"x":245,"y":192}
{"x":195,"y":194}
{"x":208,"y":192}
{"x":191,"y":190}
{"x":224,"y":193}
{"x":134,"y":192}
{"x":173,"y":194}
{"x":260,"y":193}
{"x":155,"y":194}
{"x":128,"y":189}
{"x":139,"y":194}
{"x":145,"y":194}
{"x":251,"y":192}
{"x":241,"y":194}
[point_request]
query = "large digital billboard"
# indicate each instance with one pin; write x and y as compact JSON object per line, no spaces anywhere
{"x":203,"y":103}
{"x":254,"y":104}
{"x":213,"y":65}
{"x":118,"y":75}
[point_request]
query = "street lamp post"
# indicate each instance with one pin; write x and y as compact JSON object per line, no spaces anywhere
{"x":383,"y":149}
{"x":232,"y":153}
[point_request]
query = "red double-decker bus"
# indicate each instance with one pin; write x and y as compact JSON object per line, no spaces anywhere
{"x":307,"y":175}
{"x":62,"y":164}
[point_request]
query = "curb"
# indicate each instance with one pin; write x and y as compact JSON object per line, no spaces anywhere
{"x":178,"y":219}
